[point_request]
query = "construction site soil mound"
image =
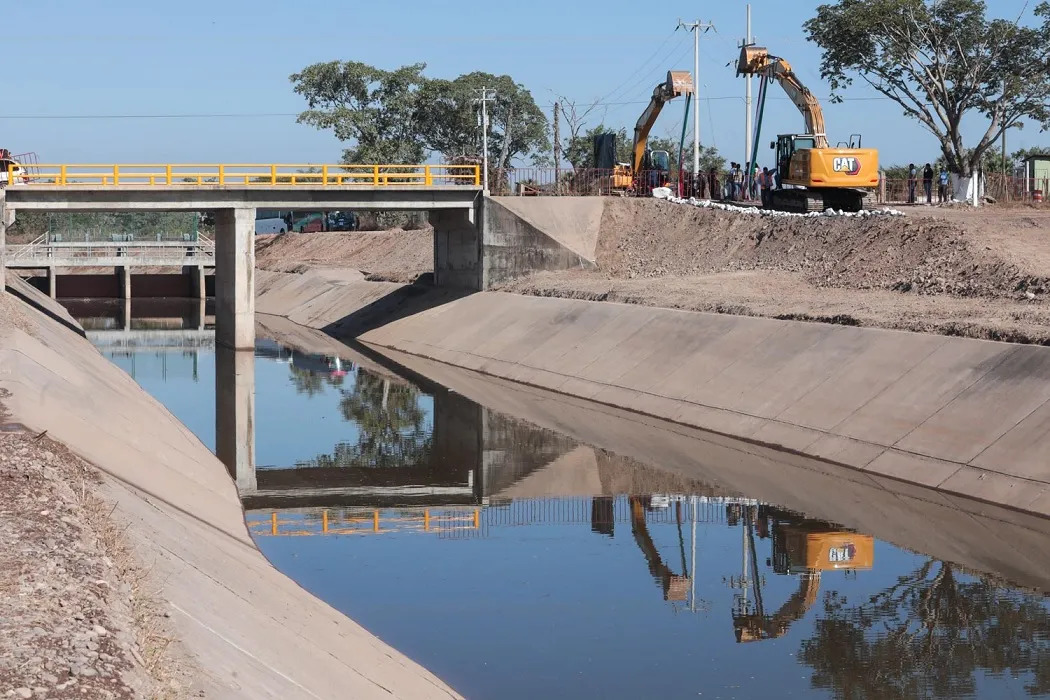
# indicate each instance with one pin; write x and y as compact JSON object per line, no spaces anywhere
{"x":394,"y":256}
{"x":1003,"y":255}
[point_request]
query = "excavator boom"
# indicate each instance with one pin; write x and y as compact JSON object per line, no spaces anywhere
{"x":756,"y":60}
{"x":678,"y":83}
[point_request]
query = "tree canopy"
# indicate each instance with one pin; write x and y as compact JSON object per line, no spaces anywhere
{"x":940,"y":60}
{"x":401,"y":116}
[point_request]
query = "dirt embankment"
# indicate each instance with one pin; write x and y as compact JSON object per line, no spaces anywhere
{"x":955,"y":271}
{"x":924,"y":253}
{"x":75,"y":621}
{"x":393,"y":256}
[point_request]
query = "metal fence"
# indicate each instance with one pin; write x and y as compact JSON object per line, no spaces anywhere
{"x":100,"y":227}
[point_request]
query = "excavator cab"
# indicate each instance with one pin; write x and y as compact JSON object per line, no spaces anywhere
{"x":805,"y":548}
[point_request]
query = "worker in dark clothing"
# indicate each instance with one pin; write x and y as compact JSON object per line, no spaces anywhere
{"x":913,"y":181}
{"x":927,"y":182}
{"x":765,"y":181}
{"x":712,"y":183}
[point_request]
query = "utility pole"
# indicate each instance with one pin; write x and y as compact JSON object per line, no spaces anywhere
{"x":1006,"y":180}
{"x":487,"y":96}
{"x":748,"y":40}
{"x":557,"y":149}
{"x":695,"y":27}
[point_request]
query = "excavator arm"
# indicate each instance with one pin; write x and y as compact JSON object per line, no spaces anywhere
{"x":756,"y":60}
{"x":677,"y":83}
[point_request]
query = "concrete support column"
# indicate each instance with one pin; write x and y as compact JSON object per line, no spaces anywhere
{"x":52,"y":282}
{"x":127,"y":314}
{"x":457,"y":248}
{"x":197,"y":281}
{"x":235,"y":278}
{"x":124,"y":275}
{"x":235,"y":414}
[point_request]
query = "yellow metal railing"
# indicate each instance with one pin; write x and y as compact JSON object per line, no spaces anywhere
{"x":243,"y":175}
{"x":366,"y":522}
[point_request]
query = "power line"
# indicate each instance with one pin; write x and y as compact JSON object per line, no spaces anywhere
{"x":255,"y":115}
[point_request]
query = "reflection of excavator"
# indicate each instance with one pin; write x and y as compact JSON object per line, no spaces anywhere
{"x":812,"y":176}
{"x":800,"y":546}
{"x":675,"y":587}
{"x":648,"y":168}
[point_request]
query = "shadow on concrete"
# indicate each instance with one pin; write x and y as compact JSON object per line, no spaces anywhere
{"x":29,"y":295}
{"x":400,"y":303}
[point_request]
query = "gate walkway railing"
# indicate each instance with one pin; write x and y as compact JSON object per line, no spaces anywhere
{"x":44,"y":253}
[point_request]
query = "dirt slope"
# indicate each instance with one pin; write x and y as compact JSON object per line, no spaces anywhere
{"x":396,"y":255}
{"x":925,"y":252}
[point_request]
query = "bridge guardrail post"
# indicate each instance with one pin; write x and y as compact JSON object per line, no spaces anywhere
{"x":428,"y":177}
{"x":167,"y":173}
{"x":62,"y":175}
{"x":273,"y":174}
{"x":222,"y":174}
{"x":375,"y":175}
{"x":116,"y":174}
{"x":324,"y":175}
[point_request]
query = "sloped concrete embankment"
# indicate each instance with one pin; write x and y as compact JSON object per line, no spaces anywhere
{"x":967,"y":417}
{"x":252,"y":631}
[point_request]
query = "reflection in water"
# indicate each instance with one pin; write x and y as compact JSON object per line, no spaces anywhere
{"x":515,"y":562}
{"x":930,"y":634}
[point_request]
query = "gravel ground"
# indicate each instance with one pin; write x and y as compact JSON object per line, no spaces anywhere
{"x":74,"y":620}
{"x":383,"y":256}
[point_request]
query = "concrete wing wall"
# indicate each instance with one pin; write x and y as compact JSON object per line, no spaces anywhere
{"x":514,"y":246}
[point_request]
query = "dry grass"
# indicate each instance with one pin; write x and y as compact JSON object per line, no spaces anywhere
{"x":152,"y":634}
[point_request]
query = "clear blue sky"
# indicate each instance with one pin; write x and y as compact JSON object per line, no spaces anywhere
{"x":234,"y":57}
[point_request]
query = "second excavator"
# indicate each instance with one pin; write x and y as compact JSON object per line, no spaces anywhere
{"x":810,"y":174}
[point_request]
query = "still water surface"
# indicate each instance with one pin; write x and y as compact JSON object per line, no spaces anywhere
{"x":516,"y":563}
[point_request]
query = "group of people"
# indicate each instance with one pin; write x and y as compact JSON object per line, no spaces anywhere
{"x":737,"y":186}
{"x":928,"y":176}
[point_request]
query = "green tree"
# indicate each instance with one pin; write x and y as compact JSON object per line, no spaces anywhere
{"x":941,"y":61}
{"x":376,"y":109}
{"x":928,"y":635}
{"x":449,"y":111}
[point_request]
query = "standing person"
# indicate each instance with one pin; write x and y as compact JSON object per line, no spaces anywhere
{"x":738,"y":182}
{"x":927,"y":182}
{"x":912,"y":182}
{"x":755,"y":187}
{"x":712,"y":182}
{"x":765,"y":180}
{"x":942,"y":185}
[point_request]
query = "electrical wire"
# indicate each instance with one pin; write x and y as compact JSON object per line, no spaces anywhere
{"x":254,"y":115}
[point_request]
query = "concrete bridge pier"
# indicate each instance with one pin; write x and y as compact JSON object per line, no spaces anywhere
{"x":235,"y":414}
{"x":197,"y":280}
{"x":235,"y":278}
{"x":457,"y":248}
{"x":52,"y":282}
{"x":124,"y":275}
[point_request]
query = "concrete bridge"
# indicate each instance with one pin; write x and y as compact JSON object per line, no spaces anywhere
{"x":233,"y":192}
{"x":478,"y":240}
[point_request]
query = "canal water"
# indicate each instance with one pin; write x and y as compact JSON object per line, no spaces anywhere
{"x":515,"y":562}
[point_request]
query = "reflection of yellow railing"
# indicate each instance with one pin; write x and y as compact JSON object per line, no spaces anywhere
{"x":245,"y":175}
{"x":364,"y":523}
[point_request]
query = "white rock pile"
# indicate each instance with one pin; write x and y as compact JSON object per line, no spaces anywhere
{"x":665,"y":193}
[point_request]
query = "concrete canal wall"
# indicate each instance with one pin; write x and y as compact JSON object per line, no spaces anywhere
{"x":251,"y":631}
{"x":962,"y":416}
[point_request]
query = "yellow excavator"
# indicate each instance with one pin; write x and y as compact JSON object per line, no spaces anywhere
{"x":648,"y":169}
{"x":802,"y":547}
{"x":811,"y":175}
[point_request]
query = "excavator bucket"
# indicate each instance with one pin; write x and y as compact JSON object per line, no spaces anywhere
{"x":753,"y":60}
{"x":680,"y":82}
